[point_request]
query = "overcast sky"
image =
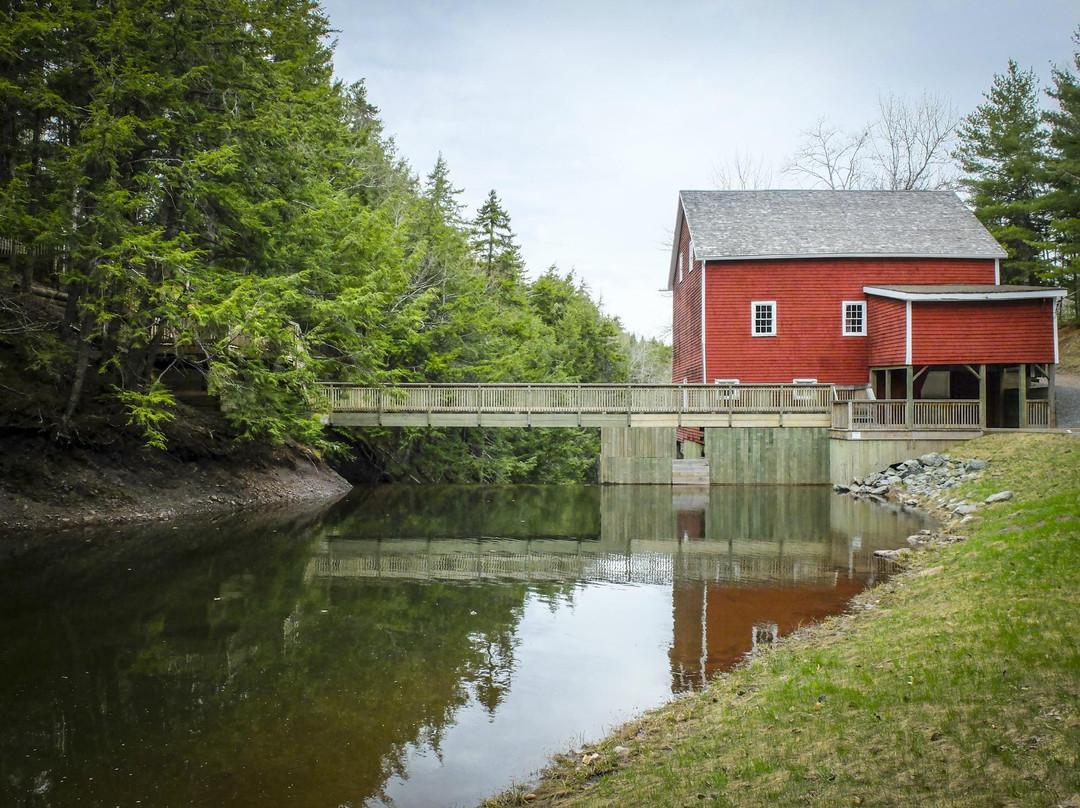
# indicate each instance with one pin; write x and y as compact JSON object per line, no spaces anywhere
{"x":587,"y":118}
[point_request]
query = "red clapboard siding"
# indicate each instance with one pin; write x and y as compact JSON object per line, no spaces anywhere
{"x":982,"y":331}
{"x":809,"y":294}
{"x":886,"y":322}
{"x":686,"y":316}
{"x":686,"y":327}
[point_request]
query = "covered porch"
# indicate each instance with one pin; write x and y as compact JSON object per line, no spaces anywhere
{"x":956,"y":398}
{"x":958,"y":358}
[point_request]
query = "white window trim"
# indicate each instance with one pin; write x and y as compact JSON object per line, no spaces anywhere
{"x":680,"y":266}
{"x":753,"y":318}
{"x":843,"y":318}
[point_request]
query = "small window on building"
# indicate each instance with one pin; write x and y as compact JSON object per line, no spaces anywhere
{"x":680,"y":265}
{"x":763,"y":318}
{"x":854,"y":318}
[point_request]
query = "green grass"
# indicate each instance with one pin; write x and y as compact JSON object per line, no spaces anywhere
{"x":954,"y":684}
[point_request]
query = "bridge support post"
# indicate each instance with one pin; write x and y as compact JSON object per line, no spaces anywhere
{"x":636,"y":456}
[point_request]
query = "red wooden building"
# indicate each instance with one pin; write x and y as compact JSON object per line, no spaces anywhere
{"x":886,"y":294}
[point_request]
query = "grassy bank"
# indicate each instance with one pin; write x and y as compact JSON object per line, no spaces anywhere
{"x":955,"y":684}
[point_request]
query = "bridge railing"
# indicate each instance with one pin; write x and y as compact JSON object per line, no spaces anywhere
{"x":580,"y":398}
{"x":894,"y":414}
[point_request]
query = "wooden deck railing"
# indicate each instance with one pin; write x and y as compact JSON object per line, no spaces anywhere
{"x":1038,"y":414}
{"x":894,"y":414}
{"x":580,"y":398}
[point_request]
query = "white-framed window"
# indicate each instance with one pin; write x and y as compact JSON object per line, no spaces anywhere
{"x":680,"y":266}
{"x":763,"y":318}
{"x":854,"y":318}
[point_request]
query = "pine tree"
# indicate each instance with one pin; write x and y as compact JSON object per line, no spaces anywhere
{"x":442,"y":193}
{"x":1002,"y":148}
{"x":493,"y":242}
{"x":1063,"y":176}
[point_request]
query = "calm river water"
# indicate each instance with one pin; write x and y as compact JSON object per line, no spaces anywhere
{"x":405,"y":646}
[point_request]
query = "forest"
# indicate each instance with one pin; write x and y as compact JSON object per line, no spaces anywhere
{"x":185,"y":189}
{"x":188,"y":192}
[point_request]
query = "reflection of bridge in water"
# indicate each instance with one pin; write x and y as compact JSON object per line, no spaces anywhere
{"x":660,"y":562}
{"x":744,"y":564}
{"x":646,"y":535}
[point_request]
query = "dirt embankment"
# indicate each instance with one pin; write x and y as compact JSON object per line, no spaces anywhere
{"x":112,"y":477}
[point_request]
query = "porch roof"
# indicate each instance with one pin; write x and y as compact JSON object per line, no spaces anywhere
{"x":963,"y":292}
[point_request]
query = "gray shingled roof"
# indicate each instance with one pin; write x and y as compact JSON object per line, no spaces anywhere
{"x":808,"y":224}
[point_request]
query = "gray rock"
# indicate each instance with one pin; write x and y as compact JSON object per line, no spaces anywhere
{"x":976,"y":465}
{"x":1000,"y":496}
{"x":879,"y":490}
{"x":965,"y":509}
{"x":931,"y":460}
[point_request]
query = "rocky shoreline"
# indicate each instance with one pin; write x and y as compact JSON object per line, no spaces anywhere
{"x":926,"y":482}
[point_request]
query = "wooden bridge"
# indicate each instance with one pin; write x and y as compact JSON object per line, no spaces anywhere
{"x":590,"y":405}
{"x":648,"y":405}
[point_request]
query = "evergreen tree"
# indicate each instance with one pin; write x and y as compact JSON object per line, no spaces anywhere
{"x":442,"y":193}
{"x":1001,"y":152}
{"x":493,"y":242}
{"x":1063,"y":177}
{"x":195,"y":188}
{"x":587,"y":345}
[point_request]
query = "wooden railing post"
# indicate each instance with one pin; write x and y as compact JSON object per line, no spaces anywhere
{"x":910,"y":397}
{"x":1022,"y":391}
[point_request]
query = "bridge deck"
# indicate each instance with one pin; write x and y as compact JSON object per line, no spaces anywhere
{"x":593,"y":405}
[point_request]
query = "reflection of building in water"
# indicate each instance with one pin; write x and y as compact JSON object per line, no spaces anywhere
{"x":717,"y":622}
{"x":716,"y":625}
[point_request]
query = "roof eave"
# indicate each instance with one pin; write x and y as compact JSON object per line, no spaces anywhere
{"x":934,"y":297}
{"x":680,"y":217}
{"x":804,"y":256}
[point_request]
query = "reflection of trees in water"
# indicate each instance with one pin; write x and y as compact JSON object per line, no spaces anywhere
{"x":467,"y":511}
{"x":223,"y":679}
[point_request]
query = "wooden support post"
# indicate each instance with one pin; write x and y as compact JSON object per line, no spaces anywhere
{"x":983,"y":408}
{"x":1022,"y":391}
{"x":910,"y":397}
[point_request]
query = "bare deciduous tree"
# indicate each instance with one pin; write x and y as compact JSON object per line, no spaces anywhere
{"x":743,"y":172}
{"x":911,"y":142}
{"x":831,"y":157}
{"x":907,"y":147}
